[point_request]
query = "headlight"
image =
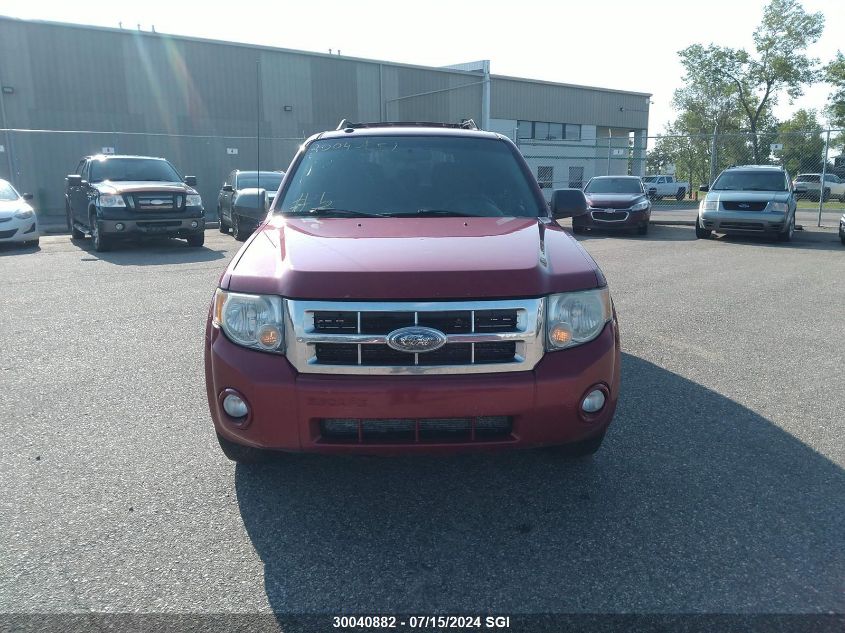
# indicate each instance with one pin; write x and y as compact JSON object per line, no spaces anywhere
{"x":642,"y":205}
{"x":193,"y":200}
{"x":109,"y":200}
{"x":708,"y":205}
{"x":23,"y":214}
{"x":780,"y":207}
{"x":574,"y":318}
{"x":255,"y":321}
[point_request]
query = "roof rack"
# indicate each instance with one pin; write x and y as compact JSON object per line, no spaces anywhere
{"x":465,"y":124}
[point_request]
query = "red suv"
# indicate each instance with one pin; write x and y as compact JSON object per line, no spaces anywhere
{"x":411,"y":291}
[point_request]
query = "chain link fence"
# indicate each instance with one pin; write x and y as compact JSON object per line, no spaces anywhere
{"x":673,"y":166}
{"x":37,"y":161}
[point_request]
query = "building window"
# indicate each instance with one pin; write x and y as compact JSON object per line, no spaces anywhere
{"x":573,"y":132}
{"x":555,"y":131}
{"x":545,"y":177}
{"x":576,"y":177}
{"x":541,"y":130}
{"x":525,"y":129}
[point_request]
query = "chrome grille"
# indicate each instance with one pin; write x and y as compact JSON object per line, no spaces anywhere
{"x":351,"y":337}
{"x":155,"y":201}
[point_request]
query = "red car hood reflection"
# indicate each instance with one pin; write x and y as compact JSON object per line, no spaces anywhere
{"x":410,"y":259}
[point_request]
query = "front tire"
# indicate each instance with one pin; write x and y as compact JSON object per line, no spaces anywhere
{"x":642,"y":230}
{"x":100,"y":241}
{"x":242,"y":454}
{"x":237,"y":232}
{"x":32,"y":243}
{"x":222,"y":226}
{"x":195,"y":241}
{"x":700,"y":232}
{"x":680,"y":195}
{"x":787,"y":235}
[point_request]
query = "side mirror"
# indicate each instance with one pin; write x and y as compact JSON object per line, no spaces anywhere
{"x":704,"y":188}
{"x":27,"y":196}
{"x":567,"y":203}
{"x":228,"y":188}
{"x":73,"y":180}
{"x":191,"y":181}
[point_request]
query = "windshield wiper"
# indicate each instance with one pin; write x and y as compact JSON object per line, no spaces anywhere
{"x":443,"y":213}
{"x":342,"y":212}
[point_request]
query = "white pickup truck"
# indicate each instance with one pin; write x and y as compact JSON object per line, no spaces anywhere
{"x":665,"y":186}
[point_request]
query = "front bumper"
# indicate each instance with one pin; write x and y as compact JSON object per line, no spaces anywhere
{"x":744,"y":222}
{"x":286,"y":406}
{"x":153,"y":225}
{"x":18,"y":230}
{"x":618,"y":219}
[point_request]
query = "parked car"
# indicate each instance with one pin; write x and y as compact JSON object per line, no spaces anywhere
{"x":665,"y":186}
{"x":749,"y":200}
{"x":115,"y":198}
{"x":244,"y":200}
{"x":412,"y":292}
{"x":809,"y":185}
{"x":615,"y":202}
{"x":18,"y":221}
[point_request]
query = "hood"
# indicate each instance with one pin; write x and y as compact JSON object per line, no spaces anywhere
{"x":141,"y":186}
{"x":613,"y":200}
{"x":411,"y":259}
{"x":9,"y":207}
{"x":749,"y":196}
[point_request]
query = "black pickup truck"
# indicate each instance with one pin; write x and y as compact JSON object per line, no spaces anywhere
{"x":115,"y":198}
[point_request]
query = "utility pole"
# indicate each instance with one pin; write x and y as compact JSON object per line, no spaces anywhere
{"x":824,"y":174}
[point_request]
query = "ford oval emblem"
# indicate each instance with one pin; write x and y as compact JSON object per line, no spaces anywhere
{"x":416,"y":340}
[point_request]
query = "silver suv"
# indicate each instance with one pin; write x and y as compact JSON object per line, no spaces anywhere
{"x":748,"y":200}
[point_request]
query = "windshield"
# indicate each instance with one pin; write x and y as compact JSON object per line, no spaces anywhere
{"x":807,"y":178}
{"x":268,"y":181}
{"x":133,"y":169}
{"x":411,"y":175}
{"x":7,"y":192}
{"x":614,"y":185}
{"x":750,"y":181}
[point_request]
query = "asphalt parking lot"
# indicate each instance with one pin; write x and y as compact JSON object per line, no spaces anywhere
{"x":720,"y":487}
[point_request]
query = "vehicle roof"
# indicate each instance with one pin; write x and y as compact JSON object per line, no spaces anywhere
{"x":612,"y":176}
{"x":405,"y":131}
{"x":110,"y":156}
{"x":760,"y":167}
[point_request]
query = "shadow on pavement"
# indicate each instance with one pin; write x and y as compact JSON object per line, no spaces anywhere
{"x":152,"y":252}
{"x":694,"y":504}
{"x":10,"y":249}
{"x":658,"y":233}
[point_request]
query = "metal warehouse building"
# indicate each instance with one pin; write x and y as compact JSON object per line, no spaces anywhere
{"x":69,"y":91}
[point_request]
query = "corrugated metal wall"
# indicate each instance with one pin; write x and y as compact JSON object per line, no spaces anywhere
{"x":189,"y":100}
{"x":539,"y":101}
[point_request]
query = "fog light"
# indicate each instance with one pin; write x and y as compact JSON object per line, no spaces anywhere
{"x":119,"y":226}
{"x":235,"y":406}
{"x":194,"y":224}
{"x":593,"y":402}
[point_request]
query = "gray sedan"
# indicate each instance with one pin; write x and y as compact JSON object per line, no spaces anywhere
{"x":749,"y":200}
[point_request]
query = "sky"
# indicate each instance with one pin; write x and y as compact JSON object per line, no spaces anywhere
{"x":623,"y":44}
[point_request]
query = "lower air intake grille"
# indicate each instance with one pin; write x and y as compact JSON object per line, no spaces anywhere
{"x":411,"y":431}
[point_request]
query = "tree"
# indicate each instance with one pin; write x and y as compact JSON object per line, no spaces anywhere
{"x":834,"y":74}
{"x":778,"y":63}
{"x":803,"y":146}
